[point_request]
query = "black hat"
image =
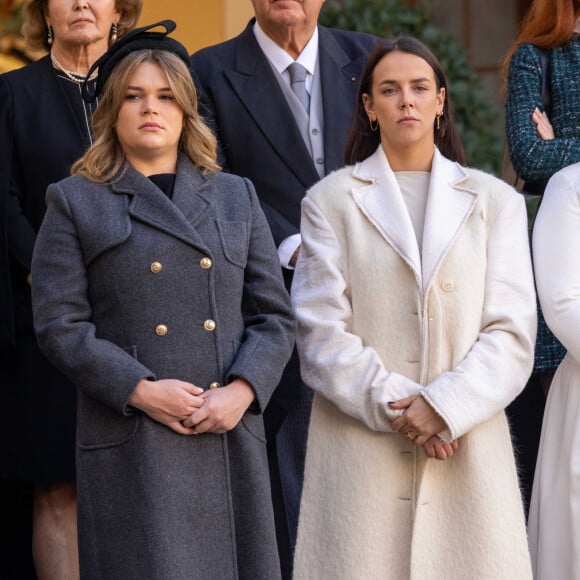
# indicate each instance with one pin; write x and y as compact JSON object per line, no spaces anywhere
{"x":138,"y":39}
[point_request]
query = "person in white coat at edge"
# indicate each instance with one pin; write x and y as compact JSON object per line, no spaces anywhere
{"x":554,"y":522}
{"x":415,"y":300}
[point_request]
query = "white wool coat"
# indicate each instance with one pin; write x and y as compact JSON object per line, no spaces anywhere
{"x":380,"y":320}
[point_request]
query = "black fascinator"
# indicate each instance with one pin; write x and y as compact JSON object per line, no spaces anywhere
{"x":138,"y":39}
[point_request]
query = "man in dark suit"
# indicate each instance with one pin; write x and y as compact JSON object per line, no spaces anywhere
{"x":283,"y":129}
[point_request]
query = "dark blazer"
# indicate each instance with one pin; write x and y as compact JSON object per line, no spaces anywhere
{"x":256,"y":130}
{"x":152,"y":503}
{"x":260,"y":140}
{"x":39,"y":141}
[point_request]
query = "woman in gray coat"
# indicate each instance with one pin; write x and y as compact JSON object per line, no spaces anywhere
{"x":157,"y":291}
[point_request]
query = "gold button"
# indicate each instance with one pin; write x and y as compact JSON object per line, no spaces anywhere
{"x":161,"y":330}
{"x":205,"y":263}
{"x":215,"y":385}
{"x":209,"y":325}
{"x":156,"y":267}
{"x":448,"y":286}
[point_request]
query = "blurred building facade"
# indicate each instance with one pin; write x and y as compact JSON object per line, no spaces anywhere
{"x":485,"y":28}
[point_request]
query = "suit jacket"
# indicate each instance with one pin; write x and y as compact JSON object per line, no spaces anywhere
{"x":255,"y":127}
{"x":380,"y":320}
{"x":126,"y":284}
{"x":39,"y":140}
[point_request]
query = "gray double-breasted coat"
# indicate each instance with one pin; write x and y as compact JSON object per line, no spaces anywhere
{"x":130,"y":284}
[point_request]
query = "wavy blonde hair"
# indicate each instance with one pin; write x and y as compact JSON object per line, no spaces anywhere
{"x":105,"y":160}
{"x":35,"y":29}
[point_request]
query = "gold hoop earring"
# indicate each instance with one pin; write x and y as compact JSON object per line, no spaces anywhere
{"x":438,"y":121}
{"x":375,"y":126}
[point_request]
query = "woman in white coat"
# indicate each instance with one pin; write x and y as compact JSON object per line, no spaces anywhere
{"x":554,"y":522}
{"x":416,"y":309}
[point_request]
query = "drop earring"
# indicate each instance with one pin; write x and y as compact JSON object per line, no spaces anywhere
{"x":49,"y":36}
{"x":114,"y":32}
{"x":438,"y":121}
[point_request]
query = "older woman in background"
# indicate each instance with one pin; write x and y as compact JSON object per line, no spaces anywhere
{"x":45,"y":127}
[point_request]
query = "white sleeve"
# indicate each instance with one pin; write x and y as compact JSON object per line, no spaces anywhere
{"x":556,"y":244}
{"x":498,"y":365}
{"x":333,"y":360}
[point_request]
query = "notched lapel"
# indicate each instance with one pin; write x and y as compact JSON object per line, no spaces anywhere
{"x":190,"y":184}
{"x":382,"y":202}
{"x":151,"y":206}
{"x":449,"y":205}
{"x":339,"y":76}
{"x":254,"y":83}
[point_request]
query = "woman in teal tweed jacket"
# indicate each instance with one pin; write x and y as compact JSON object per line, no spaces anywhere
{"x":543,"y":142}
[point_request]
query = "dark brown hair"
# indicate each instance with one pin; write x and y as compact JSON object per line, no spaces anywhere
{"x":362,"y":142}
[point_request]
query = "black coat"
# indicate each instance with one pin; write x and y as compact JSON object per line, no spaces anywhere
{"x":39,"y":140}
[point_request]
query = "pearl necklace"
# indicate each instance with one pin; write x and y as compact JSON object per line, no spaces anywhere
{"x":77,"y":78}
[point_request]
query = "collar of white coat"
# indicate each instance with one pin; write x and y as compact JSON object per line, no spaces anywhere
{"x":450,"y":203}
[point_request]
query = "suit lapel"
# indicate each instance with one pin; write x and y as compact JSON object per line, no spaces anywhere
{"x":339,"y":76}
{"x":151,"y":206}
{"x":449,"y":204}
{"x":254,"y":83}
{"x":382,"y":202}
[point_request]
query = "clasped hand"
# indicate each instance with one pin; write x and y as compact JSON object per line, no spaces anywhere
{"x":420,"y":424}
{"x":543,"y":125}
{"x":188,"y":409}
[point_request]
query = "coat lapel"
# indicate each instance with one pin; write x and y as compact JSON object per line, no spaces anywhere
{"x":151,"y":206}
{"x":382,"y":202}
{"x":449,"y":204}
{"x":254,"y":83}
{"x":339,"y":76}
{"x":56,"y":87}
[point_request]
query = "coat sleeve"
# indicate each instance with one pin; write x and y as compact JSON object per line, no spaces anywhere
{"x":533,"y":158}
{"x":556,"y":243}
{"x":269,"y":322}
{"x":334,"y":361}
{"x":62,"y":312}
{"x":498,"y":365}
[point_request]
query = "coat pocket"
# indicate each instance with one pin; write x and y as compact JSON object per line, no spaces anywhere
{"x":234,"y":239}
{"x":255,"y":425}
{"x":99,"y":426}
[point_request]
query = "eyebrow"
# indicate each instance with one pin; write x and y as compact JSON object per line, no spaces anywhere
{"x":414,"y":81}
{"x":135,"y":88}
